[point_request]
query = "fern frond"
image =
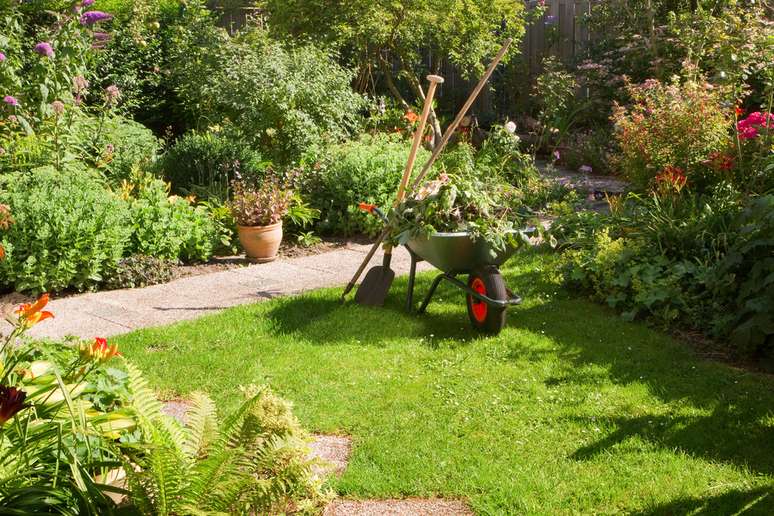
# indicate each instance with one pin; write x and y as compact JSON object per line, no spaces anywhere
{"x":201,"y":425}
{"x":211,"y":478}
{"x":147,"y":408}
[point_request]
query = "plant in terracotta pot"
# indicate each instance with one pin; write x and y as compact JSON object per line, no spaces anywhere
{"x":258,"y":210}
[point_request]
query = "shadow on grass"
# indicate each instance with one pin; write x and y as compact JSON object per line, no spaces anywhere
{"x":753,"y":502}
{"x":323,"y":319}
{"x":734,"y":417}
{"x":719,"y":413}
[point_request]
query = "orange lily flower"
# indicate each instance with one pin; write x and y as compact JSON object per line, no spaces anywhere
{"x":2,"y":252}
{"x":31,"y":314}
{"x":99,"y":350}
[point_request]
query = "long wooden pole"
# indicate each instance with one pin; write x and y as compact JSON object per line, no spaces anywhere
{"x":446,"y":137}
{"x":464,"y":111}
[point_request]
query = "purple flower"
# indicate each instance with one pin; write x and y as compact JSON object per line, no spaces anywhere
{"x":87,"y":3}
{"x":44,"y":49}
{"x":92,"y":17}
{"x":2,"y":57}
{"x":557,"y":155}
{"x":11,"y":101}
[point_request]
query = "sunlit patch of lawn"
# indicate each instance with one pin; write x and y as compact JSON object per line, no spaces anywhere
{"x":569,"y":409}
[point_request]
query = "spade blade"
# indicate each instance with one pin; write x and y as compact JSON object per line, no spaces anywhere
{"x":375,"y":286}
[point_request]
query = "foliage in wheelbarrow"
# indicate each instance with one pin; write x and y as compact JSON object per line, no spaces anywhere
{"x":461,"y":202}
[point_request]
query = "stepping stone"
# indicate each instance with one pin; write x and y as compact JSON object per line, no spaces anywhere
{"x":405,"y":507}
{"x":331,"y":453}
{"x":176,"y":408}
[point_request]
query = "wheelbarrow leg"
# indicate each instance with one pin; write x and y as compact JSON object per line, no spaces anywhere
{"x":412,"y":277}
{"x":429,"y":296}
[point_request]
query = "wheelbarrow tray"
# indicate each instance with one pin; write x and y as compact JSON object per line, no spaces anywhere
{"x":459,"y":253}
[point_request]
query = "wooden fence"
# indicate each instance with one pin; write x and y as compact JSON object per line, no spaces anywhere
{"x":561,"y":32}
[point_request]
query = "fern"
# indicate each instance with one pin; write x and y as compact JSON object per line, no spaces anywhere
{"x":254,"y":462}
{"x":202,"y":425}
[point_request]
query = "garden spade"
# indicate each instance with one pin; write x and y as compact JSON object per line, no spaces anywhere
{"x":373,"y":290}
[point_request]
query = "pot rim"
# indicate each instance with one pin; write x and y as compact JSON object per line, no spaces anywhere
{"x":270,"y":226}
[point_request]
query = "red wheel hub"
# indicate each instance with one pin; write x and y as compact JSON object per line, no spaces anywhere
{"x":478,"y":307}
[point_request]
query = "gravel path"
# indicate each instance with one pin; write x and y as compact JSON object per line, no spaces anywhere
{"x":120,"y":311}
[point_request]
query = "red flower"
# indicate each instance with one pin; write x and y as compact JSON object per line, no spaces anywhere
{"x":411,"y":117}
{"x":99,"y":350}
{"x":673,"y":177}
{"x":11,"y":402}
{"x":739,"y":111}
{"x":720,"y":161}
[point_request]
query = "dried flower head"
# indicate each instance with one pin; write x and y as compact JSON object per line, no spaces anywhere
{"x":112,"y":94}
{"x":58,"y":107}
{"x":5,"y":217}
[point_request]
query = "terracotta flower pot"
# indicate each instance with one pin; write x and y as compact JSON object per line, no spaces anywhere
{"x":261,"y":243}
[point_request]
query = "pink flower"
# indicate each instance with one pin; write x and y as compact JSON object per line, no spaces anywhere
{"x":11,"y":100}
{"x":749,"y":127}
{"x":2,"y":57}
{"x":557,"y":155}
{"x":112,"y":94}
{"x":45,"y":49}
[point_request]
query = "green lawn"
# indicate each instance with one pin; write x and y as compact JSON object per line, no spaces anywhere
{"x":569,"y":410}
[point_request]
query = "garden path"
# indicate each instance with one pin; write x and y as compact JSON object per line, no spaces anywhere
{"x":120,"y":311}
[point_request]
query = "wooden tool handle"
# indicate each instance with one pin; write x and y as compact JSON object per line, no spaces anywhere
{"x":435,"y":80}
{"x":453,"y":127}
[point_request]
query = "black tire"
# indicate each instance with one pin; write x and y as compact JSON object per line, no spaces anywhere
{"x":489,"y":282}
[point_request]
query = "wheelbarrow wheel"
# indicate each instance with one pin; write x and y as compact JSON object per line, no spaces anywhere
{"x":489,"y":282}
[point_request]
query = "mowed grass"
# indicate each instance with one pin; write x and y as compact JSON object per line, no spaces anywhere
{"x":569,"y":410}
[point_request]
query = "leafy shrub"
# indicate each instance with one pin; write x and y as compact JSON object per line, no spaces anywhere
{"x":365,"y":170}
{"x":139,"y":271}
{"x":500,"y":156}
{"x":167,"y":226}
{"x":748,"y":265}
{"x":671,"y":126}
{"x":204,"y":163}
{"x":112,"y":144}
{"x":69,"y":231}
{"x":697,"y":262}
{"x":288,"y":100}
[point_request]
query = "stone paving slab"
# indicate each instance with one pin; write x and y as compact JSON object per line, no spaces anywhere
{"x":401,"y":507}
{"x":120,"y":311}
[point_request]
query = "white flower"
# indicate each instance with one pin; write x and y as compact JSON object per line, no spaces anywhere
{"x":510,"y":127}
